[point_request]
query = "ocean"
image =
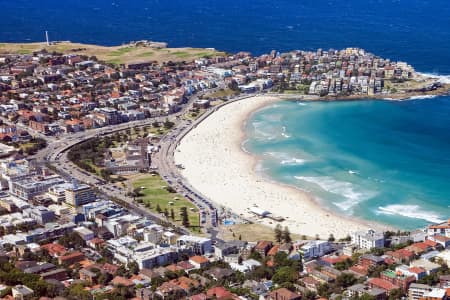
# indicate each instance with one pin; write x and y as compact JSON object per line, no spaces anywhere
{"x":380,"y":160}
{"x":416,"y":31}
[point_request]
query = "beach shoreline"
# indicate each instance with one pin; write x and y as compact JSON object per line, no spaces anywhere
{"x":216,"y":164}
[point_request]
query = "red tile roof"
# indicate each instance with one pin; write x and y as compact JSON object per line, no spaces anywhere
{"x":335,"y":259}
{"x":417,"y":270}
{"x":118,"y":280}
{"x":273,"y":250}
{"x":199,"y":259}
{"x":430,"y":243}
{"x":54,"y":249}
{"x":220,"y":293}
{"x":383,"y":284}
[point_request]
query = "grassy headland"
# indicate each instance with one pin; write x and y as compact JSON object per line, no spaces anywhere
{"x":123,"y":54}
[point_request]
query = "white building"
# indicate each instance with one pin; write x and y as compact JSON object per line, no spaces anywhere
{"x":315,"y":249}
{"x":198,"y":245}
{"x":439,"y":229}
{"x":246,"y":266}
{"x":416,"y":291}
{"x":84,"y":233}
{"x":368,"y":239}
{"x":20,"y":292}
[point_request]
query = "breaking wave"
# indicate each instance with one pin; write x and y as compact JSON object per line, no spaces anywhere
{"x":286,"y":159}
{"x":353,"y":194}
{"x":410,"y":211}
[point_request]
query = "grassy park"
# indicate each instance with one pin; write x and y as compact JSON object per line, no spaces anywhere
{"x":154,"y":192}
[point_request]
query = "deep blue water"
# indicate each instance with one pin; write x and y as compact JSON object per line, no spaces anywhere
{"x":417,"y":31}
{"x":380,"y":160}
{"x":358,"y":157}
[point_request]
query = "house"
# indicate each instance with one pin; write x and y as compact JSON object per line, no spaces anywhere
{"x":263,"y":247}
{"x":358,"y":290}
{"x":283,"y":294}
{"x":86,"y":274}
{"x":71,"y":258}
{"x":428,"y":266}
{"x":246,"y":266}
{"x":169,"y":290}
{"x":401,"y":255}
{"x":440,"y":239}
{"x":370,"y":260}
{"x":21,"y":292}
{"x":198,"y":261}
{"x":419,"y":248}
{"x":402,"y":281}
{"x":382,"y":284}
{"x":57,"y":274}
{"x":187,"y":284}
{"x":220,"y":293}
{"x":219,"y":273}
{"x":119,"y":280}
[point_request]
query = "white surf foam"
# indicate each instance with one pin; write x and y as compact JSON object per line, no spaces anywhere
{"x":352,"y":172}
{"x":284,"y":133}
{"x":261,"y":132}
{"x":422,"y":97}
{"x":353,"y":195}
{"x":293,"y":161}
{"x":441,"y":78}
{"x":302,"y":104}
{"x":410,"y":211}
{"x":286,"y":159}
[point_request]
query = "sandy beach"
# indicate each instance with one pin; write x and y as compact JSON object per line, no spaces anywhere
{"x":216,"y":165}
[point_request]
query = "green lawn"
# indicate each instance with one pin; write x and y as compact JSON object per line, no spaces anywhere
{"x":146,"y":54}
{"x":121,"y":51}
{"x":155,"y":194}
{"x":181,"y":54}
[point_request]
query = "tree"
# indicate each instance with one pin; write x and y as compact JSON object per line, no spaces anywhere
{"x":184,"y":217}
{"x":133,"y":267}
{"x":280,"y":259}
{"x":166,"y":212}
{"x":395,"y":294}
{"x":255,"y":255}
{"x":168,"y":124}
{"x":104,"y":278}
{"x":324,"y":290}
{"x":286,"y":235}
{"x":345,"y":280}
{"x":310,"y":295}
{"x":121,"y":271}
{"x":71,"y":240}
{"x":285,"y":274}
{"x":331,"y":238}
{"x":278,"y":233}
{"x":172,"y":214}
{"x":367,"y":297}
{"x":158,"y":208}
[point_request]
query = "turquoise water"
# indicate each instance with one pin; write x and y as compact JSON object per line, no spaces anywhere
{"x":386,"y":161}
